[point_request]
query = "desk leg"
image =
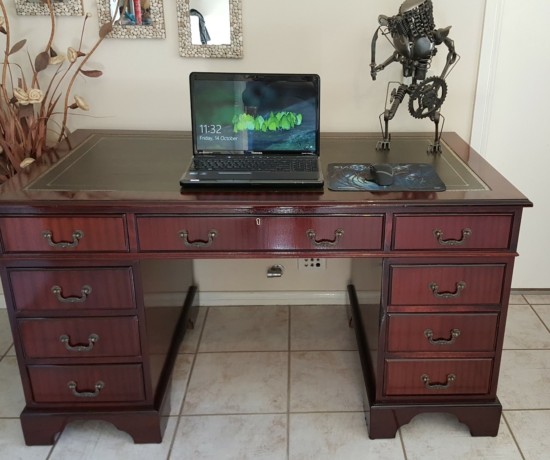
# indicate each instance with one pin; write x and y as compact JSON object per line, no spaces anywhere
{"x":482,"y":419}
{"x":43,"y":428}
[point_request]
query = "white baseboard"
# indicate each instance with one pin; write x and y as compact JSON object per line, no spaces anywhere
{"x":237,"y":298}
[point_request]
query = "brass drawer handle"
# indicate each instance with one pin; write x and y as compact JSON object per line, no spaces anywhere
{"x":429,"y":334}
{"x":451,"y":378}
{"x":92,"y":339}
{"x":447,"y":295}
{"x":86,"y":394}
{"x":184,"y":235}
{"x":339,"y":233}
{"x":77,"y":236}
{"x":85,"y":291}
{"x":466,"y":233}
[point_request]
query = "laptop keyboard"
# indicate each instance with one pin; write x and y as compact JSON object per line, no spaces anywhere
{"x":256,"y":163}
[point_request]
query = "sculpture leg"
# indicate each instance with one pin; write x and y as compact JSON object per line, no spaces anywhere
{"x":385,"y":143}
{"x":397,"y":96}
{"x":435,"y":146}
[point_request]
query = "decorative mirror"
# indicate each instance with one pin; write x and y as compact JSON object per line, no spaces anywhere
{"x":210,"y":28}
{"x":133,"y":19}
{"x":38,"y":8}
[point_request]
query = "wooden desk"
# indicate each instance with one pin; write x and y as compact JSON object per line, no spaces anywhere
{"x":77,"y":229}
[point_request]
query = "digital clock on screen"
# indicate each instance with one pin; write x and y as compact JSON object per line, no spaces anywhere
{"x":210,"y":129}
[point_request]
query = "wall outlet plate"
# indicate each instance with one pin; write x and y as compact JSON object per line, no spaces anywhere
{"x":312,"y":264}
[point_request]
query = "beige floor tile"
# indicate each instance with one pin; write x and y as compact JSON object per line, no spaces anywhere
{"x":93,"y":439}
{"x":231,"y":437}
{"x":11,"y":351}
{"x":180,"y":379}
{"x":5,"y":332}
{"x":537,"y":299}
{"x":337,"y":436}
{"x":531,"y":430}
{"x":517,"y":299}
{"x":325,"y":381}
{"x":524,"y":377}
{"x":441,"y":436}
{"x":238,"y":383}
{"x":12,"y":444}
{"x":323,"y":327}
{"x":250,"y":328}
{"x":192,"y":336}
{"x":524,"y":329}
{"x":544,"y":313}
{"x":12,"y":400}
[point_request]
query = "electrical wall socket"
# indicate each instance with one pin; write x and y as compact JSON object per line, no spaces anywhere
{"x":312,"y":264}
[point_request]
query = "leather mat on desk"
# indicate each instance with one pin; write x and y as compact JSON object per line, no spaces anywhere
{"x":407,"y":177}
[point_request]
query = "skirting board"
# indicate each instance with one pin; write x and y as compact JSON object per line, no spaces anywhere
{"x":255,"y":298}
{"x":237,"y":298}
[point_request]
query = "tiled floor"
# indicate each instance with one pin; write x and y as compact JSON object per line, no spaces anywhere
{"x":285,"y":383}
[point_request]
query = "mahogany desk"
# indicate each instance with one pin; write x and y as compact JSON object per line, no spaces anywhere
{"x":77,"y":229}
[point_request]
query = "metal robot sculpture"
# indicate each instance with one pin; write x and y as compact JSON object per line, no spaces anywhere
{"x":415,"y":40}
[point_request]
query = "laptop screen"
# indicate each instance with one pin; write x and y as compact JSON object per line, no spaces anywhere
{"x":237,"y":113}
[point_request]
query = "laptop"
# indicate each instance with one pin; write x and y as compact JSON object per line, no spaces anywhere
{"x":254,"y":129}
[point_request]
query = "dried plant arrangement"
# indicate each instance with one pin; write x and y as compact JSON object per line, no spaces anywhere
{"x":35,"y":102}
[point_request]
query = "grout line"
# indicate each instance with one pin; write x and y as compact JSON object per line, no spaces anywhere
{"x":535,"y":409}
{"x":6,"y":352}
{"x":179,"y":414}
{"x":228,"y":414}
{"x":288,"y":382}
{"x":50,"y":453}
{"x":402,"y":442}
{"x":194,"y":361}
{"x":530,"y":292}
{"x":232,"y":414}
{"x":512,"y":434}
{"x":305,"y":350}
{"x":526,"y":349}
{"x":538,"y":316}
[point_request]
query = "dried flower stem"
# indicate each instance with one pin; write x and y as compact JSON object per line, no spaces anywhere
{"x":68,"y":91}
{"x":26,"y":112}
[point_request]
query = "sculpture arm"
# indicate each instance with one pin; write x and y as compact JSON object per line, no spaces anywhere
{"x":442,"y":36}
{"x":375,"y":68}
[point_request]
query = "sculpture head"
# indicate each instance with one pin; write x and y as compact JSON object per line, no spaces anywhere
{"x":415,"y":19}
{"x":409,"y":5}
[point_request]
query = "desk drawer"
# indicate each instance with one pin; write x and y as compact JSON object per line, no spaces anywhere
{"x":442,"y":332}
{"x":446,"y":284}
{"x":75,"y":289}
{"x":80,"y":337}
{"x":263,"y":233}
{"x":438,"y":377}
{"x":452,"y":232}
{"x":87,"y":384}
{"x":64,"y":234}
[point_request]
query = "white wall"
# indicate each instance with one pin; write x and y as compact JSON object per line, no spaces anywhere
{"x":512,"y":128}
{"x":144,"y":85}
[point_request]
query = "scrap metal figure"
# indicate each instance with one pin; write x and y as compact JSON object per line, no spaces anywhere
{"x":415,"y":40}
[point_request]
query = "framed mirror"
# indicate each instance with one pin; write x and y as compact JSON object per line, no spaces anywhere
{"x":38,"y":8}
{"x":133,"y":19}
{"x":210,"y":28}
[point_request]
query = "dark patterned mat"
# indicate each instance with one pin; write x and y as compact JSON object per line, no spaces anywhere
{"x":407,"y":177}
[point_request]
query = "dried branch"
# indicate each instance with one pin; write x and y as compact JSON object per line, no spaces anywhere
{"x":26,"y":111}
